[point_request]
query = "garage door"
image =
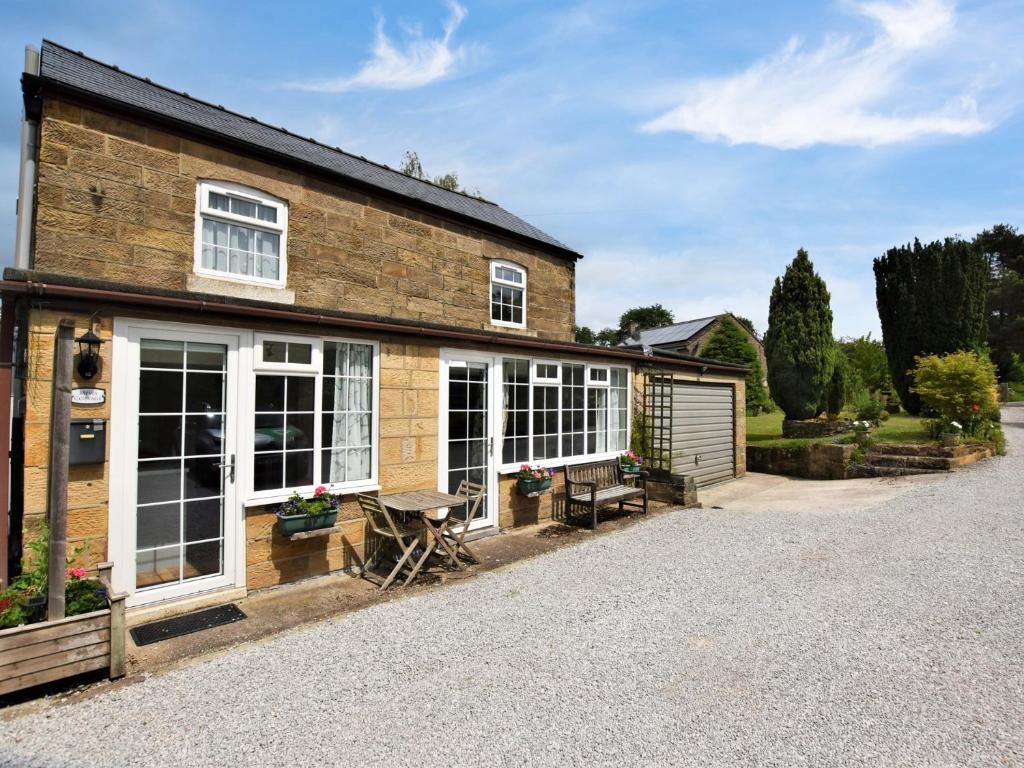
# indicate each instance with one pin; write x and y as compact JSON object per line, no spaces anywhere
{"x":703,"y":438}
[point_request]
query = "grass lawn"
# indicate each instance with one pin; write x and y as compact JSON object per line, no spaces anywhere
{"x":766,"y":430}
{"x":1017,"y":392}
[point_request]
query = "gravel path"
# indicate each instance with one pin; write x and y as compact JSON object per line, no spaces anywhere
{"x":884,"y":636}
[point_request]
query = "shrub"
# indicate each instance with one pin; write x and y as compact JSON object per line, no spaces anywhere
{"x":841,"y":386}
{"x":799,"y":346}
{"x":869,"y":408}
{"x":960,"y":386}
{"x":731,"y":344}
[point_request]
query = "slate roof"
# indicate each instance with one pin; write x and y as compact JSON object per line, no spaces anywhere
{"x":77,"y":73}
{"x":671,"y":334}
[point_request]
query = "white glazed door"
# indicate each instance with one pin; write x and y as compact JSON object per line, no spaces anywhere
{"x":181,"y":449}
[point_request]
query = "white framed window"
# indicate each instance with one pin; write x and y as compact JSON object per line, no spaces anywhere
{"x":314,"y":415}
{"x":241,"y":234}
{"x":508,"y":294}
{"x":557,"y":412}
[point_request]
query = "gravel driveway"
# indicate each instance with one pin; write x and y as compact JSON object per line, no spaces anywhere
{"x":885,"y":636}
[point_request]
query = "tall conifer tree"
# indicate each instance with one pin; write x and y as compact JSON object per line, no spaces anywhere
{"x":799,"y":346}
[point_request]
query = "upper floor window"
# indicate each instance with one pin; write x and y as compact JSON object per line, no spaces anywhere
{"x":508,"y":294}
{"x":241,"y":233}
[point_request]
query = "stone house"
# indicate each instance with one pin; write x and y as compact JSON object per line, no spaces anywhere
{"x":276,"y":314}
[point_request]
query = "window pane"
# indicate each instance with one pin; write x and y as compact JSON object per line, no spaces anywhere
{"x":158,"y":526}
{"x":243,"y":208}
{"x":219,"y":202}
{"x":275,"y":352}
{"x":300,"y":393}
{"x":300,"y":354}
{"x":160,"y":391}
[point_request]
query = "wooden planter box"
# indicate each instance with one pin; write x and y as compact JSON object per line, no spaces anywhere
{"x":53,"y":650}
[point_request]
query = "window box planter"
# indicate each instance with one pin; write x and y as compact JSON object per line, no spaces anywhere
{"x":528,"y":487}
{"x":290,"y":524}
{"x":630,"y":469}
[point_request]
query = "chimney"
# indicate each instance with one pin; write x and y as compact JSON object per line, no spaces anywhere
{"x":634,"y":331}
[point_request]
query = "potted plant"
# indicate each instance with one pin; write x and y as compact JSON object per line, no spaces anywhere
{"x":862,"y":431}
{"x":299,"y":514}
{"x":630,"y":462}
{"x":533,"y":479}
{"x":951,"y":434}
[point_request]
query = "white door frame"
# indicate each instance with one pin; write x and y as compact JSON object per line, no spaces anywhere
{"x":489,"y":518}
{"x":123,"y":454}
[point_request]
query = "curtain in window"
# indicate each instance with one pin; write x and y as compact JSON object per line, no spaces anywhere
{"x":359,"y":405}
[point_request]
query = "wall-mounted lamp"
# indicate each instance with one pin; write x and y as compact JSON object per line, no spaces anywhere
{"x":703,"y":370}
{"x":88,"y":354}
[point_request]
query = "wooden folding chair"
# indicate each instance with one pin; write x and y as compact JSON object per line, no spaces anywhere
{"x":381,"y":523}
{"x":456,"y":531}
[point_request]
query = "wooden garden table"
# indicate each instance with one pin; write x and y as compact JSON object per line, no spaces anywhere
{"x":417,"y":504}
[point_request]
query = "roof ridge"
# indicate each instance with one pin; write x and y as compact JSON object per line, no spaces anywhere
{"x":253,"y":119}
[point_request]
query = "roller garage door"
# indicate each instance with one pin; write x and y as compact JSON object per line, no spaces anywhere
{"x":703,"y":432}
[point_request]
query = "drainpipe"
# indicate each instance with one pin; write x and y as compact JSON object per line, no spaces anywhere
{"x":27,"y":175}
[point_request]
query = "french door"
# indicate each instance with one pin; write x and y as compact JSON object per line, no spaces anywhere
{"x":467,"y":429}
{"x":178,"y":511}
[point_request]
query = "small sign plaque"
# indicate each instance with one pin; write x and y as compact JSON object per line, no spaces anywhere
{"x":88,"y":396}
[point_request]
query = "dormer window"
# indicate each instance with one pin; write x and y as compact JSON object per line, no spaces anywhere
{"x":508,"y":294}
{"x":241,"y":233}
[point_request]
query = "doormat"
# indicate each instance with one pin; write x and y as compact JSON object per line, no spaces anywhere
{"x":165,"y":629}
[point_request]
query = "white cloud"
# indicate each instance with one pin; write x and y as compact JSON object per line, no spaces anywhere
{"x":841,"y":92}
{"x":420,"y":61}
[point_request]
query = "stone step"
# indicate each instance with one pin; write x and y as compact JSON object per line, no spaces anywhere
{"x":866,"y":470}
{"x":914,"y":449}
{"x":935,"y":463}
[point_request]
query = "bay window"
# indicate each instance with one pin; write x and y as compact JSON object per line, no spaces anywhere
{"x":561,"y":410}
{"x":313,"y":414}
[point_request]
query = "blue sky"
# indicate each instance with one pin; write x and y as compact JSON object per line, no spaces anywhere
{"x":687,"y":148}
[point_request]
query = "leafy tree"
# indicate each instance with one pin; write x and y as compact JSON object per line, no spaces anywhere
{"x":866,"y":357}
{"x":931,"y":300}
{"x":584,"y":335}
{"x":799,"y":345}
{"x":607,"y":337}
{"x":1003,"y":247}
{"x":730,"y":344}
{"x":411,"y":166}
{"x":654,"y":316}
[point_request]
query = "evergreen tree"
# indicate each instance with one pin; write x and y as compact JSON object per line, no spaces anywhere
{"x":730,"y":344}
{"x":931,"y":300}
{"x":799,"y":345}
{"x":1003,"y":247}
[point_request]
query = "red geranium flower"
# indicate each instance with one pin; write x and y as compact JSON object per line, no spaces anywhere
{"x":320,"y":489}
{"x":975,"y":407}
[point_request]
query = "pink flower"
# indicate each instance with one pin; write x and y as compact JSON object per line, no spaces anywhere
{"x":320,"y":489}
{"x":77,"y":572}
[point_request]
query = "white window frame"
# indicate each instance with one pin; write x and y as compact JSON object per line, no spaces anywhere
{"x":495,"y":280}
{"x":536,"y":378}
{"x":591,"y":382}
{"x":203,"y":211}
{"x":561,"y":461}
{"x":314,"y":370}
{"x":313,"y":366}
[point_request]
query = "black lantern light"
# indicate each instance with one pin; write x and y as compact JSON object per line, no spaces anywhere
{"x":88,"y":354}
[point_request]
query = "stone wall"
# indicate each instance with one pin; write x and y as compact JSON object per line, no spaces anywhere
{"x":117,"y":201}
{"x":811,"y":462}
{"x":87,"y":484}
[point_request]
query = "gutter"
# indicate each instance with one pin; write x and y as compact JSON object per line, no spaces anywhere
{"x":36,"y":289}
{"x":27,"y":173}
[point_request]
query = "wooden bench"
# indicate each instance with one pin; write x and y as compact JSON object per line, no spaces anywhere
{"x":593,"y":485}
